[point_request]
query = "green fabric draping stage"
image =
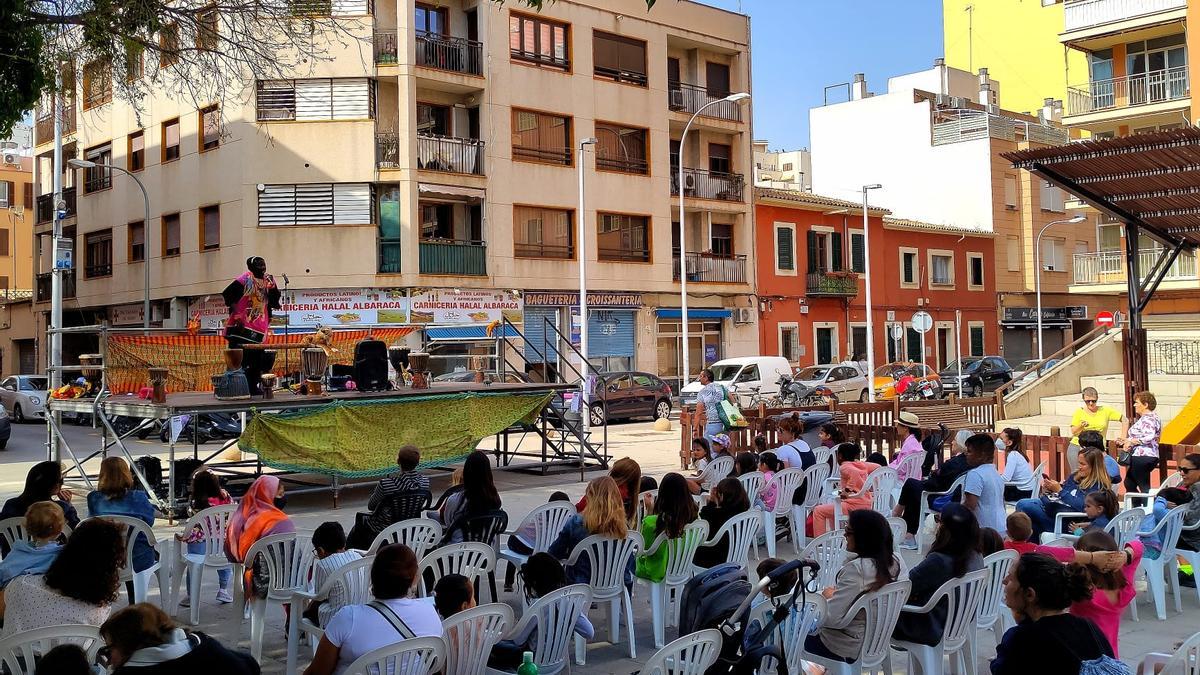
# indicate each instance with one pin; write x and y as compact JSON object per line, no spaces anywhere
{"x":359,"y":439}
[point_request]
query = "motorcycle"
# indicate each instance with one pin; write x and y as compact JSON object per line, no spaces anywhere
{"x":793,"y":394}
{"x":919,"y":390}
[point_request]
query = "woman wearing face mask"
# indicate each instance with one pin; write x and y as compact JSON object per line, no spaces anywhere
{"x":260,"y":514}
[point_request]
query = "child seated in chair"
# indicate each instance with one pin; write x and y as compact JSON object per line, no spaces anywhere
{"x":329,"y":542}
{"x":543,"y":574}
{"x":44,"y":523}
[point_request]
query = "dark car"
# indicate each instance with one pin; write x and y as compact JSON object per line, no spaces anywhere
{"x":5,"y":428}
{"x":629,"y":394}
{"x":980,"y":374}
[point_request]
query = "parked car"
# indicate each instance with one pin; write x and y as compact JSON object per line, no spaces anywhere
{"x":630,"y":394}
{"x":747,"y":372}
{"x":889,"y":374}
{"x":980,"y":374}
{"x":490,"y":377}
{"x":846,"y":382}
{"x":1030,"y":376}
{"x":24,"y":396}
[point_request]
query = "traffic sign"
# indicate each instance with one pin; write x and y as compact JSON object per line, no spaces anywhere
{"x":922,"y":322}
{"x":1105,"y":319}
{"x":897,"y":331}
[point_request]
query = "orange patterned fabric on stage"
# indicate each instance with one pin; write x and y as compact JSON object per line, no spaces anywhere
{"x":192,"y":360}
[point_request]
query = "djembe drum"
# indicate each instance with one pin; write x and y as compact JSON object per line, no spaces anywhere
{"x":398,"y":357}
{"x":418,"y":364}
{"x":158,"y":385}
{"x":313,"y":362}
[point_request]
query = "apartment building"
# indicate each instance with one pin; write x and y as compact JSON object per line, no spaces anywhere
{"x":782,"y":169}
{"x":436,"y":160}
{"x":933,"y":141}
{"x":18,"y":343}
{"x":812,"y":284}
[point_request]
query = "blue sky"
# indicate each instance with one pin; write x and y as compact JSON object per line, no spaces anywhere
{"x":798,"y":47}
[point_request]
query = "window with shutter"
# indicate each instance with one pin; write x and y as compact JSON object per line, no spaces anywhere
{"x":814,"y":252}
{"x":315,"y":204}
{"x":785,"y":249}
{"x":1010,"y":192}
{"x":835,"y":251}
{"x":1013,"y":253}
{"x":908,"y":267}
{"x":977,"y":346}
{"x":6,"y":194}
{"x":28,"y":196}
{"x":170,"y":235}
{"x":858,"y":252}
{"x":315,"y":99}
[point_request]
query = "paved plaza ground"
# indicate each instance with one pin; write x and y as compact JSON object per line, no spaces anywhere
{"x":657,"y":452}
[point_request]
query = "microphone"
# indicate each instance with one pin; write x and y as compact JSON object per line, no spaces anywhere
{"x":286,"y":281}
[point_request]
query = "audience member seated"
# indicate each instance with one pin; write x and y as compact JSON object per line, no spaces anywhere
{"x":452,"y":594}
{"x":478,"y":497}
{"x":143,"y":640}
{"x":329,"y":542}
{"x":794,"y":452}
{"x":1164,"y":501}
{"x":65,"y":659}
{"x":955,"y":552}
{"x":1066,"y":496}
{"x":1099,"y":508}
{"x":983,"y":491}
{"x":1094,"y":440}
{"x":43,"y":483}
{"x":672,"y":511}
{"x":382,"y":505}
{"x":746,"y":462}
{"x":33,"y":555}
{"x":853,"y":476}
{"x":1047,"y":639}
{"x":870,"y":565}
{"x":1017,"y":471}
{"x":939,"y":480}
{"x":115,"y":496}
{"x":720,"y":448}
{"x":522,"y":540}
{"x":909,"y":435}
{"x":392,"y":617}
{"x":830,"y":435}
{"x":1189,"y":466}
{"x":769,"y":465}
{"x":990,"y":541}
{"x":627,"y":473}
{"x":260,"y":514}
{"x":604,"y":515}
{"x":541,"y":575}
{"x":206,"y":493}
{"x":78,"y":588}
{"x":701,"y":455}
{"x":726,"y":500}
{"x":1020,"y":529}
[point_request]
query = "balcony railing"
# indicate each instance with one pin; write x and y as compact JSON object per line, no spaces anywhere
{"x":447,"y":153}
{"x":386,"y":53}
{"x":689,"y":98}
{"x":389,"y":256}
{"x":1156,"y":86}
{"x":457,"y":55}
{"x":387,"y":150}
{"x":709,"y":184}
{"x":45,"y":205}
{"x":833,"y":284}
{"x":1174,"y":357}
{"x":1080,"y":14}
{"x":43,"y":285}
{"x":1108,"y":267}
{"x":450,"y":256}
{"x":722,"y":269}
{"x":44,"y":129}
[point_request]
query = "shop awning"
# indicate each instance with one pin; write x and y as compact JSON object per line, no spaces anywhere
{"x":467,"y":333}
{"x":693,"y":313}
{"x":455,"y":192}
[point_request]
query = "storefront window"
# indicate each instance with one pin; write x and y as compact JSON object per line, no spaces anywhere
{"x":704,"y":342}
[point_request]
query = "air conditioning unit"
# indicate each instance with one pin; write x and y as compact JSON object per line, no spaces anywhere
{"x":743,"y":315}
{"x":689,"y":181}
{"x":675,"y":99}
{"x":12,"y":158}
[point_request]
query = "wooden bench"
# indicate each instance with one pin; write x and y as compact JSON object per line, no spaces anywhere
{"x":952,"y":416}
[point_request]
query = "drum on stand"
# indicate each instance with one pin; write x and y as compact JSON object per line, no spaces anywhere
{"x":313,"y":363}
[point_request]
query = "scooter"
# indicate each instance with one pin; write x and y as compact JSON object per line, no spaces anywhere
{"x":793,"y":394}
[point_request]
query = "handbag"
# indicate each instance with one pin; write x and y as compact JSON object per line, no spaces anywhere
{"x":1124,"y":457}
{"x":728,"y":413}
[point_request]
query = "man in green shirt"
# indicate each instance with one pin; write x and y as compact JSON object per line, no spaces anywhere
{"x":1092,"y":417}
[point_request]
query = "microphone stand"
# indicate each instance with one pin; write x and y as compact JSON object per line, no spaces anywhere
{"x":287,"y":324}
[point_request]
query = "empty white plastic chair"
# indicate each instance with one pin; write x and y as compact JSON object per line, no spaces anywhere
{"x":472,"y":559}
{"x":471,"y":634}
{"x":1174,"y":480}
{"x":881,"y":483}
{"x":1193,"y":557}
{"x":1164,"y":569}
{"x":681,"y":554}
{"x":211,"y":523}
{"x":926,"y":510}
{"x":141,"y":580}
{"x":419,"y":534}
{"x":829,"y":552}
{"x":553,"y":616}
{"x":414,"y":656}
{"x":962,"y":596}
{"x":899,"y":529}
{"x":1185,"y":660}
{"x":992,"y":614}
{"x":19,"y":650}
{"x":752,"y":483}
{"x":740,"y":531}
{"x":548,"y":521}
{"x":288,"y":559}
{"x":882,"y":610}
{"x":607,"y":561}
{"x":689,"y":655}
{"x":787,"y":482}
{"x":350,"y":584}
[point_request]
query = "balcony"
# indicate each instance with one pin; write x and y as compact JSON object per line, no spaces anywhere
{"x":457,"y":55}
{"x":1157,"y":86}
{"x":1084,"y":14}
{"x":832,"y":284}
{"x":689,"y":98}
{"x":1108,"y":267}
{"x":389,"y":256}
{"x":454,"y":257}
{"x":703,"y":184}
{"x":45,"y":205}
{"x":712,"y":268}
{"x":43,"y":285}
{"x":44,"y":129}
{"x":450,"y":154}
{"x":386,"y":51}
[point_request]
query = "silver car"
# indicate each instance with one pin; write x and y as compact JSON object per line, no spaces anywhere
{"x":846,"y":382}
{"x":24,"y":396}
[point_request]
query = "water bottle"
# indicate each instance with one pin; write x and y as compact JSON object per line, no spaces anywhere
{"x":528,"y":667}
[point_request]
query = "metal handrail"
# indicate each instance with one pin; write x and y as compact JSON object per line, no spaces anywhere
{"x":1000,"y":391}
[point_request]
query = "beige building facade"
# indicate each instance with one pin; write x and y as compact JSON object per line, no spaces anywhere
{"x":440,"y":152}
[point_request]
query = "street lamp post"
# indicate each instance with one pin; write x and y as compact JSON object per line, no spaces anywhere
{"x":585,"y":410}
{"x":738,"y":97}
{"x":870,"y":306}
{"x":85,"y":164}
{"x":1037,"y":280}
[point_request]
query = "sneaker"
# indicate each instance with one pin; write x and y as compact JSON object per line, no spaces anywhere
{"x":223,"y":596}
{"x":909,"y":544}
{"x":185,"y":602}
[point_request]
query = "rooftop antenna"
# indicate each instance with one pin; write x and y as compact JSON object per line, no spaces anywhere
{"x":970,"y":10}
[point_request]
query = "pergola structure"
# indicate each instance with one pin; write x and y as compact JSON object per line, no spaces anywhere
{"x":1148,"y":182}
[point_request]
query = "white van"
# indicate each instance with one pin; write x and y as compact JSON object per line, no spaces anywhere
{"x":747,"y":372}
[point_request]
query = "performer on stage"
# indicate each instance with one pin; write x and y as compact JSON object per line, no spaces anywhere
{"x":251,"y":298}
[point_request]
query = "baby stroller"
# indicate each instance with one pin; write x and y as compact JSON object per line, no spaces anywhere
{"x":708,"y":601}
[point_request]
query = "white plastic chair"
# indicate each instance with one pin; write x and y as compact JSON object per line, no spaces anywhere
{"x":553,"y":616}
{"x":1164,"y":569}
{"x":12,"y":530}
{"x":1193,"y":557}
{"x":741,"y":531}
{"x":787,"y":482}
{"x":141,"y":580}
{"x":828,"y":551}
{"x":607,"y":561}
{"x":716,"y":471}
{"x":548,"y":521}
{"x":350,"y":584}
{"x":1174,"y":480}
{"x":899,"y":529}
{"x":288,"y":559}
{"x":992,"y":614}
{"x":962,"y":596}
{"x":1185,"y":660}
{"x":419,"y":534}
{"x":19,"y":650}
{"x":823,"y":455}
{"x":752,"y":483}
{"x":416,"y":656}
{"x":882,"y":484}
{"x":912,"y":466}
{"x":882,"y":610}
{"x":472,"y":559}
{"x":927,"y":510}
{"x":689,"y":655}
{"x":794,"y":629}
{"x":640,"y":507}
{"x":471,"y":634}
{"x":681,"y":554}
{"x":212,"y":524}
{"x":817,"y":486}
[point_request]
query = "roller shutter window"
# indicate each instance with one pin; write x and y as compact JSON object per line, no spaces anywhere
{"x":540,"y":340}
{"x":315,"y":204}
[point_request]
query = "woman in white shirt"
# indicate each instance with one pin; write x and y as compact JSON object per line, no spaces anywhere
{"x":394,"y":616}
{"x":1018,"y":476}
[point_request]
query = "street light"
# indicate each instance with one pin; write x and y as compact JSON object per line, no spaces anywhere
{"x":85,"y":164}
{"x":1037,"y":281}
{"x":870,"y":306}
{"x":585,"y":410}
{"x":739,"y":97}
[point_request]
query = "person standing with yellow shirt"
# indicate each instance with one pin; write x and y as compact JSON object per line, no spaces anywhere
{"x":1092,"y":417}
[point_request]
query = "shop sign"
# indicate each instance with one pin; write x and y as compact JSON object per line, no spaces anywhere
{"x":468,"y":306}
{"x":1023,"y":314}
{"x":343,"y":307}
{"x":594,"y":299}
{"x":131,"y":315}
{"x":209,"y":310}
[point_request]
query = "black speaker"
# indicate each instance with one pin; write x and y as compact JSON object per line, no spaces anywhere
{"x":371,"y":366}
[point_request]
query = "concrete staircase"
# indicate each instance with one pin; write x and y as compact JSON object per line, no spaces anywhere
{"x":1172,"y":392}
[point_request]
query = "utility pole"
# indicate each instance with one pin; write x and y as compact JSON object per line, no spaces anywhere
{"x":55,"y":273}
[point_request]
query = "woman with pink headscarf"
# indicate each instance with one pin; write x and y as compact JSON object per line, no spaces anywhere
{"x":260,"y":514}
